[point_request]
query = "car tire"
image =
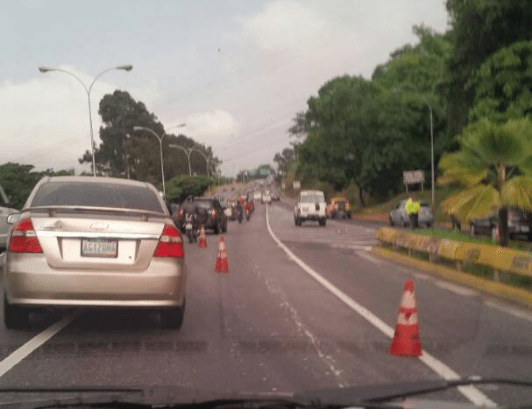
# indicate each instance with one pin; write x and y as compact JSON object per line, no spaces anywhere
{"x":172,"y":318}
{"x":217,"y":228}
{"x":224,"y":228}
{"x":333,"y":215}
{"x":15,"y":317}
{"x":405,"y":223}
{"x":472,"y":230}
{"x":428,"y":225}
{"x":323,"y":222}
{"x":390,"y":220}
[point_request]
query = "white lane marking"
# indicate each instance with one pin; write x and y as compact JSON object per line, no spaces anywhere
{"x":456,"y":289}
{"x":516,"y":313}
{"x":417,"y":275}
{"x":34,"y":343}
{"x":470,"y":392}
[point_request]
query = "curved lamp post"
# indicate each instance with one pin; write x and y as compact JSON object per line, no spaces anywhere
{"x":205,"y":156}
{"x":127,"y":67}
{"x":188,"y":152}
{"x":160,"y":139}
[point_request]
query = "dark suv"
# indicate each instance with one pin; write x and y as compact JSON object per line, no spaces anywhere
{"x":211,"y":215}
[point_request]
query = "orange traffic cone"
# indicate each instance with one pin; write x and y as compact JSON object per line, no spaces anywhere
{"x":222,"y":265}
{"x":406,"y":341}
{"x":202,"y":242}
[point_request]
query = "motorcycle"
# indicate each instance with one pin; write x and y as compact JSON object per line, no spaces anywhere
{"x":240,"y":213}
{"x":190,"y":228}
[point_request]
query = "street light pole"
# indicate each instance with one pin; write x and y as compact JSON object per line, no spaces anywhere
{"x":160,"y":139}
{"x":127,"y":67}
{"x":205,"y":156}
{"x":188,"y":152}
{"x":431,"y":149}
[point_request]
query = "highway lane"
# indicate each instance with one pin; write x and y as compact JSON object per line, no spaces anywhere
{"x":268,"y":326}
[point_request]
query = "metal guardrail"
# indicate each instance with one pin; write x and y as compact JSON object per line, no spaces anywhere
{"x":500,"y":259}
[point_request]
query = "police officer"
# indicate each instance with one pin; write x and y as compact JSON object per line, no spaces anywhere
{"x":412,"y":207}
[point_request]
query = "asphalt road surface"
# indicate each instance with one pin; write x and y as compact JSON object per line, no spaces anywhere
{"x":301,"y":308}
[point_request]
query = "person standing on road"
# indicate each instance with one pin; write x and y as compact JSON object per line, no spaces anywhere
{"x":412,"y":207}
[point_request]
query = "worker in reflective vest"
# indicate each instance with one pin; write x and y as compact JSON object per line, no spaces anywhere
{"x":412,"y":207}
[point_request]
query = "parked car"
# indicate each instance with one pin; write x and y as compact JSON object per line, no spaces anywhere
{"x":266,"y":198}
{"x":519,"y":223}
{"x":211,"y":215}
{"x":310,"y":205}
{"x":399,"y":217}
{"x":5,"y":211}
{"x":94,"y":242}
{"x":339,"y":207}
{"x":276,"y":196}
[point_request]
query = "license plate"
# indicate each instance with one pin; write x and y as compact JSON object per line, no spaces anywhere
{"x":99,"y":248}
{"x":188,"y":226}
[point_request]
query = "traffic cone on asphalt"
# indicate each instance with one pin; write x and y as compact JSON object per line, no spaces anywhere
{"x":406,"y":341}
{"x":202,"y":242}
{"x":222,"y":265}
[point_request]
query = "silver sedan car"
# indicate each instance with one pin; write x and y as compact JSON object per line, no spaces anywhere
{"x":399,"y":217}
{"x":94,"y":242}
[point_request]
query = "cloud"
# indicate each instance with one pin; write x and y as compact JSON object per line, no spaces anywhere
{"x":211,"y":128}
{"x":46,"y":119}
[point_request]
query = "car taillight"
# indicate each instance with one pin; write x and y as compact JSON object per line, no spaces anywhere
{"x":170,"y":243}
{"x":24,"y":239}
{"x":214,"y":214}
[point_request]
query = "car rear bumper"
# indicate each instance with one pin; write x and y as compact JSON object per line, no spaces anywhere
{"x":33,"y":283}
{"x":312,"y":217}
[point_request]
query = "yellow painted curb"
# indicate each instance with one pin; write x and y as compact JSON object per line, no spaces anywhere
{"x":491,"y":287}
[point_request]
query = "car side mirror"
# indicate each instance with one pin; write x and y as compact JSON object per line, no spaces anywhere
{"x":13,"y":218}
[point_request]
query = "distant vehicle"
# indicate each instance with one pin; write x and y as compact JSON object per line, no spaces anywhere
{"x":211,"y":215}
{"x":95,"y":242}
{"x":519,"y":223}
{"x":310,"y":205}
{"x":399,"y":217}
{"x":339,"y":207}
{"x":257,"y":196}
{"x":276,"y":196}
{"x":266,"y":198}
{"x":5,"y":211}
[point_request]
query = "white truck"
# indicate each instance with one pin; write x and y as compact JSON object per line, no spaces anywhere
{"x":310,"y":205}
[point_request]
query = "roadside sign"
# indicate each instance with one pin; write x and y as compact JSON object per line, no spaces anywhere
{"x":413,"y":176}
{"x":296,"y":184}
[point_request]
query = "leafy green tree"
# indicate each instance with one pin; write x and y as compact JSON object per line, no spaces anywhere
{"x":479,"y":29}
{"x":494,"y":166}
{"x":179,"y":187}
{"x":503,"y":84}
{"x":284,"y":158}
{"x":124,"y":152}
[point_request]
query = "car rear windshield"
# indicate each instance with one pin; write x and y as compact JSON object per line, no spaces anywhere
{"x":312,"y":198}
{"x":95,"y":194}
{"x":204,"y":204}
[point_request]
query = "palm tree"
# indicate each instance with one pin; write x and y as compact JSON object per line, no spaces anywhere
{"x":494,"y":167}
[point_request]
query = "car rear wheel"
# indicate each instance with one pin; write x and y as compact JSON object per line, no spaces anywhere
{"x":390,"y":220}
{"x":323,"y":221}
{"x":224,"y":228}
{"x":15,"y":317}
{"x":172,"y":318}
{"x":217,"y":228}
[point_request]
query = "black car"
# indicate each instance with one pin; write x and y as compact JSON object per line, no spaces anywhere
{"x":211,"y":215}
{"x":519,"y":223}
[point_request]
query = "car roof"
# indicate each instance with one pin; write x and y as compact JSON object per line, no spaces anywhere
{"x":98,"y":179}
{"x":311,"y":192}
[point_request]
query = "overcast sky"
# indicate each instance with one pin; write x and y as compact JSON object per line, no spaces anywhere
{"x":235,"y":71}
